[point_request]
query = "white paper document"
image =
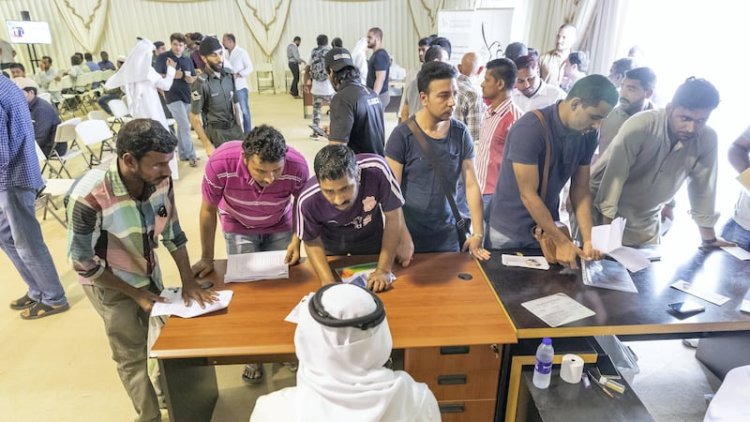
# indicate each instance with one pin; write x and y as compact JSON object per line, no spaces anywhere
{"x":737,"y":252}
{"x":558,"y":309}
{"x":706,"y":295}
{"x":256,"y":266}
{"x":293,"y":316}
{"x":176,"y":306}
{"x":533,"y":262}
{"x":608,"y":239}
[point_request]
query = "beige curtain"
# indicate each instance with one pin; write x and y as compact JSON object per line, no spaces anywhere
{"x":86,"y":20}
{"x":424,"y":15}
{"x":266,"y":20}
{"x":604,"y":35}
{"x":549,"y":15}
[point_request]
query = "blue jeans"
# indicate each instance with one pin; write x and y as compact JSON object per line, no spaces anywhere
{"x":498,"y":240}
{"x":181,"y":114}
{"x":733,"y":232}
{"x":245,"y":107}
{"x":21,"y":239}
{"x":247,"y":243}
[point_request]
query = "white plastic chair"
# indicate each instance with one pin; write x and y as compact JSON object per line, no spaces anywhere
{"x":65,"y":134}
{"x":46,"y":96}
{"x":120,"y":114}
{"x":95,"y":132}
{"x":54,"y":188}
{"x":264,"y":75}
{"x":106,"y":74}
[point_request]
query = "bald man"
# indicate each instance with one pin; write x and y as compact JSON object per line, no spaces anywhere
{"x":551,"y":62}
{"x":469,"y":104}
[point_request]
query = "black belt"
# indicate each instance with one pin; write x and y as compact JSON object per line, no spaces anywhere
{"x":220,"y":125}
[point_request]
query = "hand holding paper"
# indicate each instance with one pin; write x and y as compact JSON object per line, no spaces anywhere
{"x":608,"y":239}
{"x":176,"y":306}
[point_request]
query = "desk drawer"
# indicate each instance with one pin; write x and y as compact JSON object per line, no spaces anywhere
{"x":456,"y":373}
{"x":467,"y":411}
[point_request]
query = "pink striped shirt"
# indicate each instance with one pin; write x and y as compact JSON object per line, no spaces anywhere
{"x":492,"y":135}
{"x":245,"y":207}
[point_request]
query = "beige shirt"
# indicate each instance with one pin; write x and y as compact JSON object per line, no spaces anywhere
{"x":611,"y":125}
{"x":550,"y":67}
{"x":641,"y":171}
{"x":742,"y":209}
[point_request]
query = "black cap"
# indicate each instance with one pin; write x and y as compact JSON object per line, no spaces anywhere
{"x":338,"y":58}
{"x":515,"y":50}
{"x":209,"y":45}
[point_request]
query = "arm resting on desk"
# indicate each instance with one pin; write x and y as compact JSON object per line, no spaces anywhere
{"x":380,"y":279}
{"x":207,"y":219}
{"x":316,"y":253}
{"x":405,"y":250}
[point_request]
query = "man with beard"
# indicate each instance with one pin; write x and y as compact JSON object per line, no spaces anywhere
{"x":531,"y":91}
{"x":430,"y":222}
{"x":551,"y":62}
{"x":652,"y":155}
{"x":635,"y":94}
{"x":341,"y":210}
{"x":115,"y":219}
{"x":411,"y":76}
{"x":378,"y":67}
{"x":214,"y":94}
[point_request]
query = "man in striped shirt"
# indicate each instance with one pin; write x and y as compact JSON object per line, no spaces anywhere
{"x":250,"y":184}
{"x":115,"y":220}
{"x":497,"y":88}
{"x":341,"y":212}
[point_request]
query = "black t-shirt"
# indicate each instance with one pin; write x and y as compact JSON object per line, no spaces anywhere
{"x":357,"y":119}
{"x":380,"y":60}
{"x":180,"y":90}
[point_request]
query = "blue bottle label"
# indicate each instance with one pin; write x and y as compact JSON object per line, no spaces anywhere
{"x":543,"y":367}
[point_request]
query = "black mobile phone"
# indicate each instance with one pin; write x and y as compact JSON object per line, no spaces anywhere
{"x":318,"y":130}
{"x":687,"y":307}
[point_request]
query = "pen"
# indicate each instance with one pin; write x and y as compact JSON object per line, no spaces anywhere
{"x":602,"y":387}
{"x":586,"y":382}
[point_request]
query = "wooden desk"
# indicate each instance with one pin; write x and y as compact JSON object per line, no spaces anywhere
{"x":641,"y":315}
{"x":429,"y":307}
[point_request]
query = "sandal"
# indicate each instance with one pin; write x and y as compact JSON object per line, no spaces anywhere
{"x":22,"y":303}
{"x":40,"y":310}
{"x":253,"y":373}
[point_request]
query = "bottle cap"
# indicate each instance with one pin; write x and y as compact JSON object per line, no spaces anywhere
{"x":547,"y":341}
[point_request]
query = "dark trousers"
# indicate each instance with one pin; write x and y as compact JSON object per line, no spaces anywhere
{"x":294,"y":67}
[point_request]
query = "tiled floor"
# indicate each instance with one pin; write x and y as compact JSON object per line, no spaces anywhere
{"x":59,"y":368}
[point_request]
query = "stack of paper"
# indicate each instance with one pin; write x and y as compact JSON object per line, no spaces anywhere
{"x":608,"y":239}
{"x":256,"y":266}
{"x":176,"y":305}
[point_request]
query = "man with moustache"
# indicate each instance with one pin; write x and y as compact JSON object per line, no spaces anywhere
{"x":341,"y":211}
{"x":378,"y":67}
{"x":214,"y":94}
{"x":653,"y":154}
{"x":430,"y":222}
{"x":531,"y":91}
{"x":635,"y":94}
{"x":115,"y":220}
{"x":551,"y":62}
{"x":499,"y":115}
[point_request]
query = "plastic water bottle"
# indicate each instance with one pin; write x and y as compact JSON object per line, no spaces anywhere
{"x":543,"y":368}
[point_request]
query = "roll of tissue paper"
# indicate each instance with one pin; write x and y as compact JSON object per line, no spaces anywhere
{"x":571,"y":369}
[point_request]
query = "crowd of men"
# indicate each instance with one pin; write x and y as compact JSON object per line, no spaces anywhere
{"x":469,"y":168}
